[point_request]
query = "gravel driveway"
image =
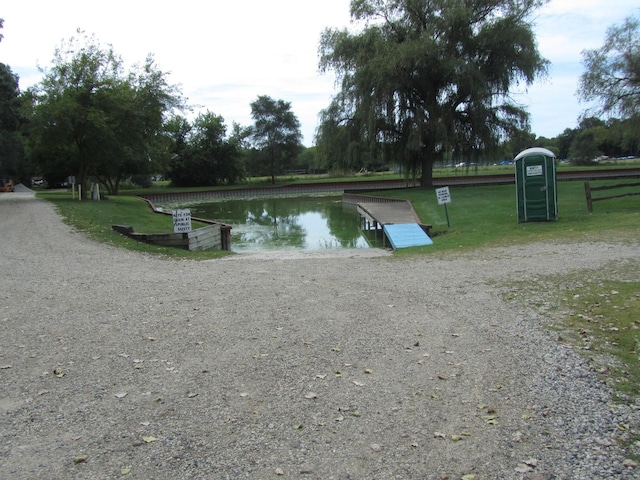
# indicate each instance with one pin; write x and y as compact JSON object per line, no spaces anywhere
{"x":332,"y":365}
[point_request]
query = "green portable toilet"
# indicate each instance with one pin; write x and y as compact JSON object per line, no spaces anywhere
{"x":536,"y":185}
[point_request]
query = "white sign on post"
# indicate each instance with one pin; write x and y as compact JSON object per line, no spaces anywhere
{"x":443,"y":195}
{"x":181,"y":221}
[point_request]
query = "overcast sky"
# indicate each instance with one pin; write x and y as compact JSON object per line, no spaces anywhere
{"x":224,"y":54}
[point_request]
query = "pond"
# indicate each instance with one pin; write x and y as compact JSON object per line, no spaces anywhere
{"x":304,"y":223}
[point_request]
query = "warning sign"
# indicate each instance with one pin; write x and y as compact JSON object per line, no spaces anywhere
{"x":443,"y":195}
{"x":181,"y":221}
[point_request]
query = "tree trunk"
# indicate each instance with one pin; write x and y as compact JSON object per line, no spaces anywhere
{"x":426,"y":176}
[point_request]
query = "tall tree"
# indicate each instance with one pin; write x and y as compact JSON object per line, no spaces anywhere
{"x":11,"y":121}
{"x":424,"y":77}
{"x":612,"y":72}
{"x":276,"y":132}
{"x":203,"y":154}
{"x":91,"y":118}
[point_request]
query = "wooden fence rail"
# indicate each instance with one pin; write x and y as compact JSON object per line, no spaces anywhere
{"x":588,"y":189}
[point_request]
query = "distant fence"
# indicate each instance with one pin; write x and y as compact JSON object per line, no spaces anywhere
{"x":588,"y":189}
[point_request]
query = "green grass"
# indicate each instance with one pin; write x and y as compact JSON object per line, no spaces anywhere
{"x":487,"y":216}
{"x":479,"y":216}
{"x":96,"y":218}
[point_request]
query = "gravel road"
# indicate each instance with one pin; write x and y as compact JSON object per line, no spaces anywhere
{"x":349,"y":364}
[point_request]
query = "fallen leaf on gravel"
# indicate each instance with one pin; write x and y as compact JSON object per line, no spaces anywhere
{"x":456,"y":438}
{"x":81,"y":459}
{"x":311,"y":396}
{"x":125,"y":470}
{"x":120,"y":395}
{"x":298,"y":426}
{"x":523,"y":469}
{"x":490,"y":419}
{"x":469,"y":476}
{"x":149,"y":439}
{"x":338,"y":374}
{"x":604,"y":443}
{"x":356,"y":414}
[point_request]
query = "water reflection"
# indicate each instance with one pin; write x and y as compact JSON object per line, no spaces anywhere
{"x":288,"y":223}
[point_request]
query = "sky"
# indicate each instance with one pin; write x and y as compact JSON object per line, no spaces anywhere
{"x":225,"y":53}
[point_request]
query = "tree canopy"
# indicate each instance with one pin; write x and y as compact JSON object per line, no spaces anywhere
{"x":275,"y":133}
{"x":427,"y":77}
{"x":612,"y":72}
{"x":91,"y":118}
{"x":202,"y":153}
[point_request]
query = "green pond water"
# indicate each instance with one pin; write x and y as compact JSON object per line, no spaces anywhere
{"x":306,"y":223}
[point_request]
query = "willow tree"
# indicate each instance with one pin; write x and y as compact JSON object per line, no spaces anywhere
{"x":425,"y":77}
{"x":612,"y":72}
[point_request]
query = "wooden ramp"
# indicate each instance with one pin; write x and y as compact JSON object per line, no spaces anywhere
{"x":399,"y":222}
{"x":405,"y":235}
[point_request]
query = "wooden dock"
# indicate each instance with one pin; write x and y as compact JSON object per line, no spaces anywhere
{"x":398,"y":222}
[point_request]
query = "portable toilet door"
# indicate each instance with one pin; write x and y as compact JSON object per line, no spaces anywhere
{"x":536,"y":185}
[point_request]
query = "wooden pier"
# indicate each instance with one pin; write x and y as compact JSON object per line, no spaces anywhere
{"x":397,"y":220}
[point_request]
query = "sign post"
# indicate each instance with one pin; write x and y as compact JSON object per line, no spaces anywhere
{"x":444,"y":197}
{"x":181,"y":221}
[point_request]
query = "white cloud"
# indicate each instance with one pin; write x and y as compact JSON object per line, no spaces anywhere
{"x":226,"y":53}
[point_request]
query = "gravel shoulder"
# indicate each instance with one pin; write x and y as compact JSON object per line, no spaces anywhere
{"x":327,"y":365}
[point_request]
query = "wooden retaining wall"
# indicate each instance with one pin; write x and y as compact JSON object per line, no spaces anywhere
{"x":288,"y":190}
{"x":205,"y":238}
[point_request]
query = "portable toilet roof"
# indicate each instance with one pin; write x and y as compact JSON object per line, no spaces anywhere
{"x":535,"y":151}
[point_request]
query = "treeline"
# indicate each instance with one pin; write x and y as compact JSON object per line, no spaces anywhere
{"x":418,"y":87}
